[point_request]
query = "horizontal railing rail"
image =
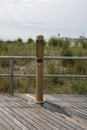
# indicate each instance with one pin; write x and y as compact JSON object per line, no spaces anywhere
{"x":12,"y":75}
{"x":17,"y":57}
{"x":66,"y":57}
{"x":45,"y":57}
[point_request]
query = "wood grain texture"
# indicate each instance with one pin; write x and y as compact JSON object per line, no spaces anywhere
{"x":60,"y":112}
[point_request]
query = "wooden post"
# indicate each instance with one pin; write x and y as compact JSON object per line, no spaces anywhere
{"x":39,"y":69}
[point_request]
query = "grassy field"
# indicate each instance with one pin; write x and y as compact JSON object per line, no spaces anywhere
{"x":54,"y":47}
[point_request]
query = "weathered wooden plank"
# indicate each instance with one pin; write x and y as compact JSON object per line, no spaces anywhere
{"x":2,"y":127}
{"x":48,"y":118}
{"x":69,"y":108}
{"x":57,"y":119}
{"x":50,"y":125}
{"x":14,"y":113}
{"x":44,"y":123}
{"x":10,"y":119}
{"x":30,"y":118}
{"x":5,"y":124}
{"x":74,"y":109}
{"x":21,"y":113}
{"x":33,"y":116}
{"x":75,"y":100}
{"x":44,"y":115}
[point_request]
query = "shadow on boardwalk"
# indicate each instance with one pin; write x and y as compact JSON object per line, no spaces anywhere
{"x":60,"y":112}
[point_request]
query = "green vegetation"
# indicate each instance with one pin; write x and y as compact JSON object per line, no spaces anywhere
{"x":54,"y":47}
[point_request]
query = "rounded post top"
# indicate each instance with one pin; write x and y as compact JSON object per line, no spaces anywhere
{"x":39,"y":37}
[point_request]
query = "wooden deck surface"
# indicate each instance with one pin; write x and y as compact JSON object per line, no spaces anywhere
{"x":59,"y":112}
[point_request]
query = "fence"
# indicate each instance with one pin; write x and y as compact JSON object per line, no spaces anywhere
{"x":39,"y":69}
{"x":12,"y":75}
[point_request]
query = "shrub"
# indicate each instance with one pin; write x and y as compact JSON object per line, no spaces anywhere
{"x":67,"y":52}
{"x":79,"y":87}
{"x":51,"y":84}
{"x":53,"y":41}
{"x":60,"y":42}
{"x":65,"y":44}
{"x":30,"y":40}
{"x":4,"y":85}
{"x":4,"y":63}
{"x":83,"y":44}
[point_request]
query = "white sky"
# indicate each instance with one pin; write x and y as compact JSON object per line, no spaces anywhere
{"x":28,"y":18}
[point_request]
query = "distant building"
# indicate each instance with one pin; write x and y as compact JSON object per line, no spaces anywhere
{"x":74,"y":41}
{"x":82,"y":37}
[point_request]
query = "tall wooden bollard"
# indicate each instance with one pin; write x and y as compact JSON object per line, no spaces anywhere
{"x":39,"y":69}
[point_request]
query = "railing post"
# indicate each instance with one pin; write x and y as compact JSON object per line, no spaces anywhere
{"x":39,"y":69}
{"x":11,"y":77}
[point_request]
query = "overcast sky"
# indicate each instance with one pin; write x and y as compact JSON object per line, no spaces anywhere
{"x":28,"y":18}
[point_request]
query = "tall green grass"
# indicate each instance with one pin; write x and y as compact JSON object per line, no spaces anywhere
{"x":54,"y":47}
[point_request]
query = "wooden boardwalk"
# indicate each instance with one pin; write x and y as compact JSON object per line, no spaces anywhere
{"x":60,"y":112}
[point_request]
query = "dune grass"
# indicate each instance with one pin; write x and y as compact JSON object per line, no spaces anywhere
{"x":54,"y":47}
